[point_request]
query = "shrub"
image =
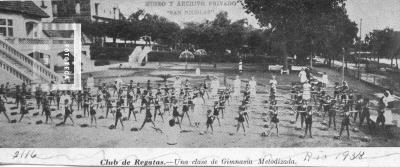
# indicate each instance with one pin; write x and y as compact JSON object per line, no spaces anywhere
{"x":101,"y":62}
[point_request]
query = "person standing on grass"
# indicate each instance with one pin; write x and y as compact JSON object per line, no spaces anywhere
{"x":17,"y":95}
{"x":216,"y":112}
{"x":308,"y":120}
{"x":7,"y":90}
{"x":118,"y":116}
{"x":23,"y":110}
{"x":241,"y":119}
{"x":92,"y":113}
{"x":325,"y":79}
{"x":252,"y":86}
{"x":332,"y":117}
{"x":326,"y":104}
{"x":131,"y":110}
{"x":38,"y":96}
{"x":274,"y":119}
{"x":58,"y":98}
{"x":306,"y":92}
{"x":175,"y":113}
{"x":365,"y":113}
{"x":67,"y":112}
{"x":157,"y":108}
{"x":46,"y":108}
{"x":358,"y":107}
{"x":345,"y":123}
{"x":3,"y":109}
{"x":148,"y":117}
{"x":86,"y":106}
{"x":210,"y":121}
{"x":380,"y":120}
{"x":185,"y":110}
{"x":303,"y":76}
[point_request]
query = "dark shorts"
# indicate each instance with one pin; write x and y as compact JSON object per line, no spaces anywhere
{"x":380,"y":119}
{"x":209,"y":120}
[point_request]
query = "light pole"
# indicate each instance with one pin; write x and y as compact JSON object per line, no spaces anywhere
{"x":344,"y":52}
{"x":312,"y":52}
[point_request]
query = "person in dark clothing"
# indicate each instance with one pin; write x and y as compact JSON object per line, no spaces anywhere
{"x":46,"y":107}
{"x":92,"y":113}
{"x":365,"y":113}
{"x":17,"y":95}
{"x":67,"y":112}
{"x":118,"y":116}
{"x":86,"y":106}
{"x":38,"y":96}
{"x":58,"y":99}
{"x":185,"y":109}
{"x":210,"y":120}
{"x":23,"y":111}
{"x":308,"y":120}
{"x":216,"y":113}
{"x":3,"y":109}
{"x":345,"y":123}
{"x":131,"y":110}
{"x":147,"y":118}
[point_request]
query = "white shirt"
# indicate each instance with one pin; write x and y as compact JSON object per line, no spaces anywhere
{"x":325,"y":79}
{"x":306,"y":88}
{"x":273,"y":83}
{"x":303,"y":76}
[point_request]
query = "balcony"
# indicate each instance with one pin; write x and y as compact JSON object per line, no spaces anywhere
{"x":37,"y":41}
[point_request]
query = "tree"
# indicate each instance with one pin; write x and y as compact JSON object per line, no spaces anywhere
{"x":299,"y":23}
{"x":384,"y":44}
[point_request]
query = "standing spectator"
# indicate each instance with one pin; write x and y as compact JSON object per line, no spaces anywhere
{"x":302,"y":76}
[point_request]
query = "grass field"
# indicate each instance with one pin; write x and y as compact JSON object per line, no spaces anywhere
{"x":28,"y":134}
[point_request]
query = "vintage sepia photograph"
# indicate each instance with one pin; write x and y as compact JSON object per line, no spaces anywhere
{"x":199,"y":73}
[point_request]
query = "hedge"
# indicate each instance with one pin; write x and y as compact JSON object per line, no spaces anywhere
{"x":109,"y":53}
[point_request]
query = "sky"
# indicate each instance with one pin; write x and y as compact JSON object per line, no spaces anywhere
{"x":375,"y":14}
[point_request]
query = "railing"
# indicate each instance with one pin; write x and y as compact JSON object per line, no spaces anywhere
{"x":30,"y":41}
{"x":29,"y":62}
{"x":9,"y":67}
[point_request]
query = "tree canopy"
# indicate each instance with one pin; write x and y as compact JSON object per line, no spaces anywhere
{"x":304,"y":26}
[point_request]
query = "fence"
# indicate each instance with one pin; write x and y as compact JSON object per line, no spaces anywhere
{"x":380,"y":81}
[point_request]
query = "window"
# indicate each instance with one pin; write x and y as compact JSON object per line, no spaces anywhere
{"x":3,"y":31}
{"x":96,"y":8}
{"x":6,"y":27}
{"x":78,"y":8}
{"x":10,"y":32}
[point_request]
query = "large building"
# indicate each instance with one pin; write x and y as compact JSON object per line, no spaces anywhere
{"x":65,"y":11}
{"x":30,"y":47}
